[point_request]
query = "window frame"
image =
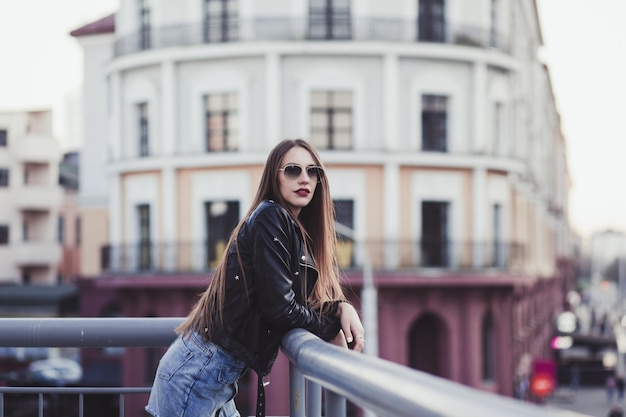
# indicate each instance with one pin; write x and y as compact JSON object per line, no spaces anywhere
{"x":78,"y":224}
{"x":225,"y":22}
{"x":227,"y":221}
{"x":5,"y":177}
{"x":5,"y":234}
{"x":345,"y":215}
{"x":145,"y":35}
{"x":228,"y":116}
{"x":494,"y":29}
{"x":328,"y":130}
{"x":330,"y":21}
{"x":144,"y":241}
{"x":488,"y":349}
{"x":431,"y":21}
{"x":143,"y":128}
{"x":434,"y":122}
{"x":435,"y":236}
{"x":61,"y":229}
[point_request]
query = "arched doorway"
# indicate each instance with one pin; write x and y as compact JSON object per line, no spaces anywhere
{"x":428,"y":345}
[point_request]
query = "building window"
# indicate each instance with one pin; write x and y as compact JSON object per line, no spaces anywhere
{"x":4,"y":234}
{"x":221,"y":122}
{"x":434,"y":123}
{"x":25,"y":231}
{"x":221,"y":219}
{"x":431,"y":26}
{"x":145,"y":241}
{"x":61,"y":229}
{"x":493,"y":31}
{"x":143,"y":129}
{"x":3,"y":137}
{"x":434,"y":242}
{"x":331,"y":119}
{"x":431,"y":357}
{"x":498,"y":128}
{"x":4,"y":177}
{"x":144,"y":24}
{"x":78,"y":231}
{"x":221,"y":22}
{"x":498,"y":255}
{"x":488,"y":349}
{"x":344,"y":214}
{"x":27,"y":276}
{"x":330,"y":19}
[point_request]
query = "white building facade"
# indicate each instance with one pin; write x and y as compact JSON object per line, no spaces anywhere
{"x":438,"y":127}
{"x":30,"y":198}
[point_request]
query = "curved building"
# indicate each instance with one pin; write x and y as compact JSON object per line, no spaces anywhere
{"x":442,"y":142}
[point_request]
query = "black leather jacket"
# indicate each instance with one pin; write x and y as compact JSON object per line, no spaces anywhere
{"x":266,"y":299}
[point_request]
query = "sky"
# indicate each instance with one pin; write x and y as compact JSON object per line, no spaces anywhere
{"x":583,"y":48}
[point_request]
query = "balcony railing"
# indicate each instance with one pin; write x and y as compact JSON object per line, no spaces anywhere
{"x":446,"y":254}
{"x":294,"y":29}
{"x":371,"y":383}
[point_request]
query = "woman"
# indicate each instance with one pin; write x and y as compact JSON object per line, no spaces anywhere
{"x":279,"y":273}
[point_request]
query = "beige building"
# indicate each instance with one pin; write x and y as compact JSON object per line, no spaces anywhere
{"x":30,"y":198}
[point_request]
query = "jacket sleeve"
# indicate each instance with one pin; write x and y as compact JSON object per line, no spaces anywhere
{"x":273,"y":279}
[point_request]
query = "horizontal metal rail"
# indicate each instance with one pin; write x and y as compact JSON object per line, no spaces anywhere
{"x":88,"y":332}
{"x":392,"y":390}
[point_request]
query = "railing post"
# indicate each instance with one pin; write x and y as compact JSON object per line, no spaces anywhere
{"x":296,"y":392}
{"x":40,"y":405}
{"x":313,"y":399}
{"x":335,"y":404}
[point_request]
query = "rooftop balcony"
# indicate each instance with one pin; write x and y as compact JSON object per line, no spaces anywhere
{"x":279,"y":29}
{"x":403,"y":255}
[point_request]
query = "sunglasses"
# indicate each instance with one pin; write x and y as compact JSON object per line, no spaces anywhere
{"x":293,"y":171}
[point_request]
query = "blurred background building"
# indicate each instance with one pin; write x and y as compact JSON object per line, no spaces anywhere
{"x":31,"y":196}
{"x":33,"y":204}
{"x":438,"y":127}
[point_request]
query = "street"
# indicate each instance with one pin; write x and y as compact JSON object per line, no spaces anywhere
{"x":590,"y":401}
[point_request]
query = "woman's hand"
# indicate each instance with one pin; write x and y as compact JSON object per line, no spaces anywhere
{"x":351,"y":327}
{"x":340,"y":340}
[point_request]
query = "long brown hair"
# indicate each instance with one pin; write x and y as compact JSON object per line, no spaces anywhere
{"x":317,"y":224}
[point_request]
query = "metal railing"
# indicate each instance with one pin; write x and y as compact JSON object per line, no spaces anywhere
{"x":374,"y":384}
{"x":302,"y":29}
{"x":82,"y":333}
{"x":389,"y":389}
{"x":199,"y":257}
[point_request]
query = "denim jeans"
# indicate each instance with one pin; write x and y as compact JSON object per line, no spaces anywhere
{"x":195,"y":379}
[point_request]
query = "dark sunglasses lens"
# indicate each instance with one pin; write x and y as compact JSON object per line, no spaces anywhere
{"x":314,"y":173}
{"x":293,"y":171}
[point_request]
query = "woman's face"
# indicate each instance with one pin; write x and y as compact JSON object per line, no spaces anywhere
{"x":296,"y":191}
